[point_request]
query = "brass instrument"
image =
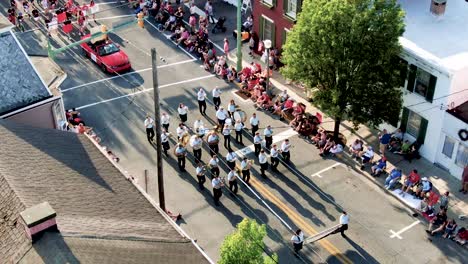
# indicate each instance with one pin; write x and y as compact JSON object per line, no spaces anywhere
{"x":184,"y":139}
{"x":213,"y":142}
{"x":239,"y":169}
{"x":180,"y":154}
{"x":240,"y":115}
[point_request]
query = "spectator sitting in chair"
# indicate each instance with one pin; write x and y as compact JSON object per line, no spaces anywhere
{"x":264,"y":101}
{"x":287,"y":108}
{"x":392,"y":178}
{"x":395,"y":140}
{"x":450,"y":229}
{"x":425,"y":187}
{"x":404,"y":149}
{"x":426,"y":208}
{"x":356,"y":148}
{"x":380,"y":166}
{"x":336,"y":150}
{"x":413,"y":179}
{"x":413,"y":153}
{"x":367,"y":157}
{"x":462,"y":236}
{"x":326,"y":148}
{"x":440,"y":221}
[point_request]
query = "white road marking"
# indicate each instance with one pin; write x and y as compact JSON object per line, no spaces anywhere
{"x":317,"y":174}
{"x":276,"y":138}
{"x":397,"y":234}
{"x":125,"y":74}
{"x":168,"y":36}
{"x":144,"y":91}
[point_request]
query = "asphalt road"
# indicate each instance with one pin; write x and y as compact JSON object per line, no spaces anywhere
{"x":309,"y":194}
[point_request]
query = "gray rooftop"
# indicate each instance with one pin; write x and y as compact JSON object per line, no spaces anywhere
{"x":101,"y":216}
{"x":20,"y":85}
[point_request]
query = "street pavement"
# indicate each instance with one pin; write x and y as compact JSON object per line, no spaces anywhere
{"x":309,"y":194}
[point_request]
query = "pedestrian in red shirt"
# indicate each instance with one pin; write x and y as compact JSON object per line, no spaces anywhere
{"x":412,"y":180}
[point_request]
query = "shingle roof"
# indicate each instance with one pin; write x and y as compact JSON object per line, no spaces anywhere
{"x":20,"y":85}
{"x":91,"y":197}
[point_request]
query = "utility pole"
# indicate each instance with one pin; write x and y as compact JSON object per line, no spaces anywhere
{"x":239,"y":36}
{"x":157,"y":118}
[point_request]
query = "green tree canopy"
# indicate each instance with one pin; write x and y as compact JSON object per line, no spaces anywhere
{"x":349,"y":49}
{"x":245,"y":245}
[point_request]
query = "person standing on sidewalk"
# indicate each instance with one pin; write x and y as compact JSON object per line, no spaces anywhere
{"x":182,"y":110}
{"x":464,"y":181}
{"x":227,"y":137}
{"x":344,"y":221}
{"x":268,"y":134}
{"x":180,"y":152}
{"x":165,"y":141}
{"x":232,"y":179}
{"x":201,"y":96}
{"x":214,"y":165}
{"x":238,"y":127}
{"x":231,"y":158}
{"x":221,"y":115}
{"x":226,"y":47}
{"x":257,"y":140}
{"x":274,"y":154}
{"x":200,"y":170}
{"x":196,"y":144}
{"x":384,"y":139}
{"x":254,"y":122}
{"x":209,"y":11}
{"x":245,"y":168}
{"x":149,"y":125}
{"x":297,"y":240}
{"x":217,"y":183}
{"x":165,"y":119}
{"x":262,"y":159}
{"x":216,"y":97}
{"x":285,"y":150}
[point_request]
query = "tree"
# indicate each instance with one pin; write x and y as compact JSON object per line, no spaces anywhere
{"x":349,"y":50}
{"x":245,"y":245}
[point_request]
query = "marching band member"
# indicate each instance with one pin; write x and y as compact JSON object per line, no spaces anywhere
{"x":232,"y":179}
{"x":217,"y":183}
{"x":231,"y":108}
{"x":196,"y":144}
{"x":285,"y":148}
{"x":213,"y":140}
{"x":274,"y":155}
{"x":245,"y":168}
{"x":257,"y":143}
{"x":216,"y":98}
{"x":238,"y":127}
{"x":221,"y":114}
{"x":214,"y":165}
{"x":181,"y":131}
{"x":165,"y":141}
{"x":165,"y":119}
{"x":254,"y":122}
{"x":182,"y":110}
{"x":231,"y":158}
{"x":180,"y":152}
{"x":227,"y":137}
{"x":262,"y":159}
{"x":200,"y":170}
{"x":201,"y":96}
{"x":199,"y":128}
{"x":268,"y":134}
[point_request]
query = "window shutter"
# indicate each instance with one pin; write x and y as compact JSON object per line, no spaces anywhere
{"x":262,"y":24}
{"x":431,"y":88}
{"x":422,"y":131}
{"x":273,"y":34}
{"x":411,"y":77}
{"x":403,"y":72}
{"x":299,"y":7}
{"x":404,"y":119}
{"x":285,"y":6}
{"x":274,"y":3}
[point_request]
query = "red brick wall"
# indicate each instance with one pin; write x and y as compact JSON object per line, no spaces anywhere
{"x":274,"y":13}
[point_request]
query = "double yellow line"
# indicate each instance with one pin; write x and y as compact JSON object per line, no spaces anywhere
{"x":297,"y":219}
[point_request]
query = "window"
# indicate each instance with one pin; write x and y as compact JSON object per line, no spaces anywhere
{"x":449,"y":145}
{"x":462,"y":156}
{"x":292,"y":8}
{"x":267,"y":29}
{"x":414,"y":122}
{"x":269,"y":2}
{"x":422,"y":82}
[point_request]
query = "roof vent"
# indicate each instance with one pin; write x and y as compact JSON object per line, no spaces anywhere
{"x":438,"y":7}
{"x":38,"y":219}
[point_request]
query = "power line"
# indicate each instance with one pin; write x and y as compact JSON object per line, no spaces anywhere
{"x":425,"y":102}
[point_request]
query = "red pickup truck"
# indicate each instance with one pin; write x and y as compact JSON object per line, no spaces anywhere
{"x":106,"y":54}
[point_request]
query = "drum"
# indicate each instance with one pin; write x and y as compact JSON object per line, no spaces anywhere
{"x":240,"y":115}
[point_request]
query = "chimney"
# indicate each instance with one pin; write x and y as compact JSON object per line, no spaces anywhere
{"x":38,"y":219}
{"x":438,"y":7}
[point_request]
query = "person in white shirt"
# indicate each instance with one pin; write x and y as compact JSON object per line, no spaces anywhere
{"x":196,"y":144}
{"x":262,"y":159}
{"x":257,"y":140}
{"x":231,"y":158}
{"x":344,"y":221}
{"x":149,"y":125}
{"x":232,"y":179}
{"x":367,"y":156}
{"x":200,"y":170}
{"x":201,"y":96}
{"x":274,"y":155}
{"x":268,"y":134}
{"x":165,"y":141}
{"x":213,"y":140}
{"x":216,"y":98}
{"x":217,"y":183}
{"x":180,"y":152}
{"x":238,"y":127}
{"x":254,"y":122}
{"x":182,"y":110}
{"x":284,"y":96}
{"x":165,"y":119}
{"x":227,"y":137}
{"x":199,"y":128}
{"x":181,"y":131}
{"x":221,"y":114}
{"x":231,"y":108}
{"x":214,"y":165}
{"x":336,"y":150}
{"x":285,"y":150}
{"x":245,"y":168}
{"x":297,"y":240}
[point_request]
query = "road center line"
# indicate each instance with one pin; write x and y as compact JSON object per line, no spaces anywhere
{"x":125,"y":74}
{"x":145,"y":91}
{"x":324,"y":170}
{"x":397,"y":234}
